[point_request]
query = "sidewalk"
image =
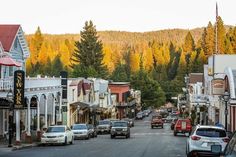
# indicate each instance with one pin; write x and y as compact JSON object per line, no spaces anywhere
{"x":4,"y":146}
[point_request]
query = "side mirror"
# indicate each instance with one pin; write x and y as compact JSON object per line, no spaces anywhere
{"x":216,"y":149}
{"x":229,"y":134}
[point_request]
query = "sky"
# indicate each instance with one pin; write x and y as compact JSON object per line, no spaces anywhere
{"x":69,"y":16}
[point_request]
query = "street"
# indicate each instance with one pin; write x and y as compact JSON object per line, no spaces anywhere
{"x":144,"y":142}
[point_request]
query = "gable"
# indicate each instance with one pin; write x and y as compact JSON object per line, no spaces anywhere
{"x":7,"y":35}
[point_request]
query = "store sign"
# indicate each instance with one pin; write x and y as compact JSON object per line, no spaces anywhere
{"x":218,"y":86}
{"x":19,"y":89}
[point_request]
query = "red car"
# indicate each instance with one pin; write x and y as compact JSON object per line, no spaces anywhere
{"x":157,"y":122}
{"x":183,"y":126}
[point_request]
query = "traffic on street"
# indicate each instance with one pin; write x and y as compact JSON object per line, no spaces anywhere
{"x":143,"y":142}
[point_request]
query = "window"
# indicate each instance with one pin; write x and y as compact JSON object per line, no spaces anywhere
{"x":73,"y":94}
{"x":15,"y":43}
{"x":10,"y":70}
{"x":210,"y":132}
{"x":231,"y":147}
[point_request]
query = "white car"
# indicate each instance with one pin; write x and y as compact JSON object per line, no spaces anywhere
{"x":203,"y":137}
{"x":81,"y":131}
{"x":59,"y":134}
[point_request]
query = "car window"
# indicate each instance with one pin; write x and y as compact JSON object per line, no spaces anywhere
{"x":231,"y":147}
{"x":79,"y":127}
{"x":210,"y":132}
{"x":104,"y":122}
{"x":120,"y":124}
{"x":56,"y":129}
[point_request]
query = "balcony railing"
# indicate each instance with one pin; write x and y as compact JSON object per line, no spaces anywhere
{"x":31,"y":83}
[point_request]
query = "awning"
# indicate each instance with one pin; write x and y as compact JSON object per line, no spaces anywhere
{"x":8,"y":61}
{"x":82,"y":105}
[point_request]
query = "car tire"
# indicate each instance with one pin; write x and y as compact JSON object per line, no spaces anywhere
{"x":175,"y":133}
{"x":112,"y":136}
{"x":162,"y":127}
{"x":88,"y":137}
{"x":72,"y":140}
{"x":189,"y":155}
{"x":65,"y":143}
{"x":152,"y":127}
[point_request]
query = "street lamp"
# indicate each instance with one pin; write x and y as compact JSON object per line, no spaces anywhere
{"x":10,"y":117}
{"x":226,"y":98}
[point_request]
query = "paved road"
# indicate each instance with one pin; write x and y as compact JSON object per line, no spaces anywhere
{"x":144,"y":142}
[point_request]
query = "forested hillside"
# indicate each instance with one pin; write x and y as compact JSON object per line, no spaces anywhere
{"x":166,"y":55}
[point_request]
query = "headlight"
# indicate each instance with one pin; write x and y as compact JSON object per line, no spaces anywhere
{"x":60,"y":136}
{"x":85,"y":132}
{"x":113,"y":129}
{"x":124,"y":129}
{"x":43,"y":136}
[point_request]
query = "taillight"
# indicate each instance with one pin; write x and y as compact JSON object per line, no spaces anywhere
{"x":195,"y":138}
{"x":226,"y":140}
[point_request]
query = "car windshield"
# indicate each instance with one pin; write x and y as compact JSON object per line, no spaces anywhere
{"x":211,"y":132}
{"x":56,"y":129}
{"x":104,"y":122}
{"x":120,"y":124}
{"x":79,"y":127}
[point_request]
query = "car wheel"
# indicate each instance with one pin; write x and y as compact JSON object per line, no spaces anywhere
{"x":152,"y":127}
{"x":88,"y":137}
{"x":65,"y":141}
{"x":175,"y":133}
{"x":72,"y":140}
{"x":162,"y":127}
{"x":112,"y":136}
{"x":189,"y":155}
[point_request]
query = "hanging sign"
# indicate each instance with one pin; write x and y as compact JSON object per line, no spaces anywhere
{"x":19,"y":89}
{"x":218,"y":86}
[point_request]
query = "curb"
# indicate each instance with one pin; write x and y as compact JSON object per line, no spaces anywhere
{"x":24,"y":146}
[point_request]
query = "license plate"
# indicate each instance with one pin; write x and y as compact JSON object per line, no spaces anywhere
{"x":183,"y":125}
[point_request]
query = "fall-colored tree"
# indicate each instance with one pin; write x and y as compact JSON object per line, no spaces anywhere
{"x":220,"y":36}
{"x":189,"y":44}
{"x":208,"y":40}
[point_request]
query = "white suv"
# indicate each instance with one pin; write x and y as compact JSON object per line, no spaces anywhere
{"x":202,"y":137}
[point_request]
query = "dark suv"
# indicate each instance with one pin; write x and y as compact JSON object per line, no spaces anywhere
{"x":120,"y":128}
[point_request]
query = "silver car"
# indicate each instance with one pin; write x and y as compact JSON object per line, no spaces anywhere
{"x":120,"y":128}
{"x":81,"y":131}
{"x":203,"y":137}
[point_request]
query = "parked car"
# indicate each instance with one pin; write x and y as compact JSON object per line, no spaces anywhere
{"x":139,"y":115}
{"x":104,"y":126}
{"x":203,"y":137}
{"x":173,"y":123}
{"x":58,"y":134}
{"x":120,"y":128}
{"x":127,"y":120}
{"x":168,"y":119}
{"x":81,"y":131}
{"x":157,"y":122}
{"x":92,"y":130}
{"x":182,"y":126}
{"x":229,"y":151}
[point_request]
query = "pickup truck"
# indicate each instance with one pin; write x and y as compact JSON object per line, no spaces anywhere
{"x":156,"y":122}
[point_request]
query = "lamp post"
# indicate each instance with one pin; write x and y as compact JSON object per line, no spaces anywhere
{"x":10,"y":117}
{"x":226,"y":98}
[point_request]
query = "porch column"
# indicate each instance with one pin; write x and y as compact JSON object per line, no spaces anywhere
{"x":60,"y":104}
{"x":17,"y":127}
{"x":28,"y":119}
{"x":46,"y":112}
{"x":38,"y":116}
{"x":53,"y":111}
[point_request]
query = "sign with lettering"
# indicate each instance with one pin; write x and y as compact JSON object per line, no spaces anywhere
{"x":19,"y":89}
{"x":218,"y":86}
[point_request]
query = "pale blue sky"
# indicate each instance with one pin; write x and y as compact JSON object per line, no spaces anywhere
{"x":69,"y":16}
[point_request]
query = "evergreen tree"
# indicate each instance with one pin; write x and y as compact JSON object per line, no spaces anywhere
{"x":119,"y":74}
{"x":208,"y":40}
{"x":57,"y":66}
{"x":220,"y":36}
{"x":189,"y":44}
{"x":89,"y":51}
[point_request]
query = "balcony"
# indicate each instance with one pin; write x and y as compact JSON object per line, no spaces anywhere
{"x":31,"y":84}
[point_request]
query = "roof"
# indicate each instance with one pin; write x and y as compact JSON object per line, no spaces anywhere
{"x":195,"y":77}
{"x":7,"y":35}
{"x":210,"y":126}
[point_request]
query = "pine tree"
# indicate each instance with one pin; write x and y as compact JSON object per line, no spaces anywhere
{"x":208,"y":40}
{"x":89,"y":50}
{"x":220,"y":36}
{"x":189,"y":44}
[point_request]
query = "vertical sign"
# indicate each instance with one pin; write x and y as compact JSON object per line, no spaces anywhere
{"x":19,"y":89}
{"x":64,"y":75}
